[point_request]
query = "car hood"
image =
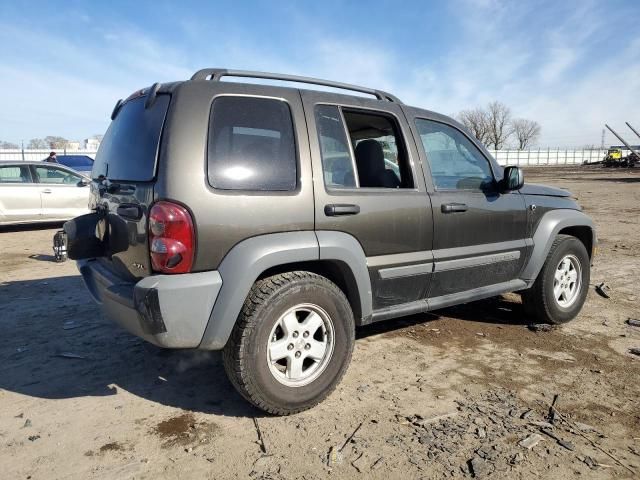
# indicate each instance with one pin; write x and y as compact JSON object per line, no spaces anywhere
{"x":536,"y":189}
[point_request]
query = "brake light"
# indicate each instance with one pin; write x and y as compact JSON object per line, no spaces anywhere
{"x":171,"y":238}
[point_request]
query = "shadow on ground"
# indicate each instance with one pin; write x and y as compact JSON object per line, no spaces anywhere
{"x":618,"y":179}
{"x":495,"y":311}
{"x":30,"y":227}
{"x":47,"y":323}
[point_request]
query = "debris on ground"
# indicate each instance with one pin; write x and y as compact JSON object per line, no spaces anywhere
{"x":354,"y":463}
{"x":635,"y":351}
{"x":633,"y":322}
{"x":540,"y":327}
{"x":583,"y":427}
{"x":603,"y":290}
{"x":334,"y":457}
{"x":424,"y":421}
{"x":377,"y":463}
{"x":531,"y":441}
{"x":350,"y":437}
{"x":563,"y":443}
{"x":263,"y":447}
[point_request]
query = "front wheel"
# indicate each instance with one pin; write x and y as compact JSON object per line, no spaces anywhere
{"x":562,"y":285}
{"x":292,"y":342}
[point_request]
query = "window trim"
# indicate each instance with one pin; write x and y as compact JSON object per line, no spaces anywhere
{"x":373,"y":190}
{"x":428,"y":164}
{"x":296,"y":144}
{"x":351,"y":151}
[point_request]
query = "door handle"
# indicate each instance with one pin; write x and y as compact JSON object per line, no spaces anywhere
{"x":453,"y":207}
{"x":46,"y":190}
{"x":336,"y":209}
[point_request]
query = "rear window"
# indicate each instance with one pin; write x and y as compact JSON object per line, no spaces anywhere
{"x":251,"y":145}
{"x":130,"y":147}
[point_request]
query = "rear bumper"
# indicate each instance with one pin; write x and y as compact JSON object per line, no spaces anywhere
{"x":171,"y":311}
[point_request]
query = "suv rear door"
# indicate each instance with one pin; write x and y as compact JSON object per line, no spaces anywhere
{"x":480,"y":233}
{"x":385,"y":207}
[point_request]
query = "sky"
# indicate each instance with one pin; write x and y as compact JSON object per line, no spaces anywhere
{"x":570,"y":65}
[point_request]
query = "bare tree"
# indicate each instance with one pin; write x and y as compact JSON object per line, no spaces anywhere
{"x":37,"y":143}
{"x":8,"y":145}
{"x":56,"y":142}
{"x":476,"y":121}
{"x":526,"y":132}
{"x":498,"y":125}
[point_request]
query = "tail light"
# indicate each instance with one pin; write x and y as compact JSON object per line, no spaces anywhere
{"x":171,"y":238}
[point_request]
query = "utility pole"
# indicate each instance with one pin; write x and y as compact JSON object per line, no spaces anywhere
{"x":633,"y":129}
{"x":602,"y":141}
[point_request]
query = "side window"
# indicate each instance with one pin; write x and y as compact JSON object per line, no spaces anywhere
{"x":337,"y":164}
{"x":380,"y":154}
{"x":455,"y":162}
{"x":251,"y":145}
{"x":15,"y":174}
{"x":372,"y":156}
{"x":56,"y":175}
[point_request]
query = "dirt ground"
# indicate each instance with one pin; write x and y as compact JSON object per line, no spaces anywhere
{"x":449,"y":394}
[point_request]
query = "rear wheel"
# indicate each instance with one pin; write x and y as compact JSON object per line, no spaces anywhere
{"x":292,"y":342}
{"x":562,"y":285}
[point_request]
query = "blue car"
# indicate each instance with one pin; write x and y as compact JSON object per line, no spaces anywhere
{"x":80,"y":163}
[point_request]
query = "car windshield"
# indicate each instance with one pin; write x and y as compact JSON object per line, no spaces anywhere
{"x":76,"y":161}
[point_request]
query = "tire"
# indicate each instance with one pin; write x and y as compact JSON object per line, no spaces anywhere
{"x":271,"y":315}
{"x":541,"y":302}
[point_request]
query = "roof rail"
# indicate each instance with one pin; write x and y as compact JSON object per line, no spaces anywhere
{"x":215,"y":74}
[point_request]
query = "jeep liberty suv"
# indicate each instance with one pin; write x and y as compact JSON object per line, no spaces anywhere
{"x":269,"y":222}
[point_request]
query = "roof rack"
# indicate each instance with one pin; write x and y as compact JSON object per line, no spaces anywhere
{"x":215,"y":74}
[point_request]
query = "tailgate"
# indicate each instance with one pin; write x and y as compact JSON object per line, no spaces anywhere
{"x":123,"y":180}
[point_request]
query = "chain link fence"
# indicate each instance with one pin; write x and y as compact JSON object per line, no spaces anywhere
{"x":548,"y":156}
{"x":31,"y":155}
{"x":523,"y":158}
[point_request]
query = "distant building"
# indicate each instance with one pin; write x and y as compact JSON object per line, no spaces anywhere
{"x":73,"y":146}
{"x":91,"y":144}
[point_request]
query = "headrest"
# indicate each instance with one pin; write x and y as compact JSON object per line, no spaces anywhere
{"x":369,"y":155}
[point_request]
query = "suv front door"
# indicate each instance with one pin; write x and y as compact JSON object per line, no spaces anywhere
{"x":479,"y":232}
{"x":366,"y":185}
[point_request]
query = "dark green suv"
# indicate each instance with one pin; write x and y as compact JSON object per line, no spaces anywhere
{"x":270,"y":222}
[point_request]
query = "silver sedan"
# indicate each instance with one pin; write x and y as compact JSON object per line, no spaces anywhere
{"x":32,"y":192}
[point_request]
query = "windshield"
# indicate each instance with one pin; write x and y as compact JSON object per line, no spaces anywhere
{"x":129,"y":148}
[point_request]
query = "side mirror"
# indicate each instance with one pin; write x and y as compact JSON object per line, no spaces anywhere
{"x":83,"y":182}
{"x":513,"y":179}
